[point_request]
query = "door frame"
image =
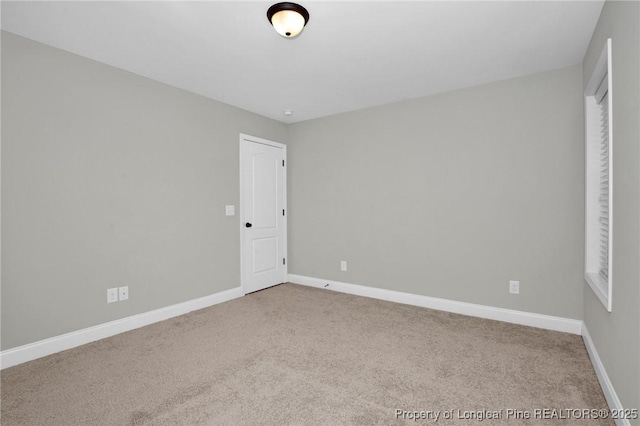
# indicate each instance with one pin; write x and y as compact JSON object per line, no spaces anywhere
{"x":244,"y":138}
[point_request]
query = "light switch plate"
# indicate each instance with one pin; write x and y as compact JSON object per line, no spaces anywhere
{"x":112,"y":295}
{"x":230,"y":210}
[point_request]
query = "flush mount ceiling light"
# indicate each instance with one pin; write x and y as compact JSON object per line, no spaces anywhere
{"x":288,"y":19}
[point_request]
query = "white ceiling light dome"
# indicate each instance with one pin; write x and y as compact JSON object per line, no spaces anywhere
{"x":288,"y":19}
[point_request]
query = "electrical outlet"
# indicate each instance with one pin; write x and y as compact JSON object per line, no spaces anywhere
{"x":343,"y":265}
{"x":514,"y":287}
{"x":123,"y":293}
{"x":112,"y":295}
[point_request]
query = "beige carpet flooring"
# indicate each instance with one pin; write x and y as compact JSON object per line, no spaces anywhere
{"x":299,"y":355}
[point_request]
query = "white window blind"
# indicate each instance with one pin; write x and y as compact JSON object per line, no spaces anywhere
{"x":603,"y":199}
{"x":599,"y":179}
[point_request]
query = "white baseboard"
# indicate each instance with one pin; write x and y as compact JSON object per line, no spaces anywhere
{"x":605,"y":383}
{"x":14,"y":356}
{"x":548,"y":322}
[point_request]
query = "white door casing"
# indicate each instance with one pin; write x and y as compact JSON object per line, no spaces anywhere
{"x":263,"y":220}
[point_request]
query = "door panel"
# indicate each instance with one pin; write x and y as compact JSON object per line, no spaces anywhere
{"x":264,"y":190}
{"x":263,"y":226}
{"x":265,"y":254}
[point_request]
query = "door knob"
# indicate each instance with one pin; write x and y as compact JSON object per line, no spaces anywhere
{"x":248,"y":225}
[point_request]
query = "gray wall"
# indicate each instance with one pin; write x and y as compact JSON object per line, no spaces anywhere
{"x":617,"y":334}
{"x":449,"y":196}
{"x":111,"y":179}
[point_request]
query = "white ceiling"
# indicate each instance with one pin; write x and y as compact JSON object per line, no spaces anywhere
{"x":351,"y":55}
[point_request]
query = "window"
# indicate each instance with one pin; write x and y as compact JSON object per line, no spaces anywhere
{"x":599,"y":182}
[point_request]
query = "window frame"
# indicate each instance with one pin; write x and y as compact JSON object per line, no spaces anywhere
{"x":593,"y":164}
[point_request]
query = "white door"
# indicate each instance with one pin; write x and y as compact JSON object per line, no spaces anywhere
{"x":262,"y":213}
